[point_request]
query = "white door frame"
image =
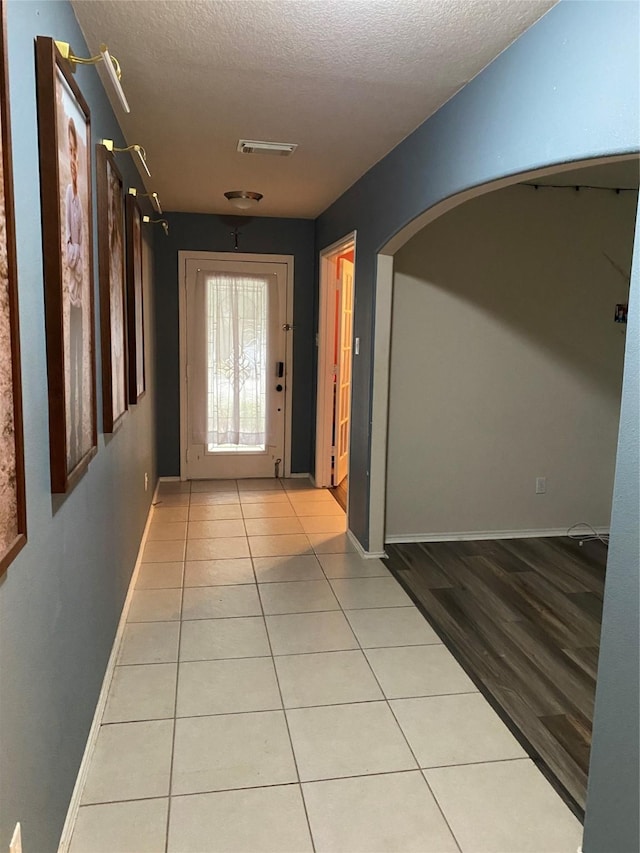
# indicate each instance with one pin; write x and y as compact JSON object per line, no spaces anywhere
{"x":185,"y":255}
{"x":324,"y":396}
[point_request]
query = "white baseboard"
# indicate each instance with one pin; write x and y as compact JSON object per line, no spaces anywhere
{"x":76,"y":796}
{"x":367,"y":555}
{"x":168,"y":479}
{"x":300,"y":477}
{"x":469,"y":535}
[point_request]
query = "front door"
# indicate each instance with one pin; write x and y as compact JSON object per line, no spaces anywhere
{"x":236,"y":370}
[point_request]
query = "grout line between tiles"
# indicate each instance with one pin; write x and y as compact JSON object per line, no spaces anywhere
{"x":286,"y":722}
{"x":388,"y":703}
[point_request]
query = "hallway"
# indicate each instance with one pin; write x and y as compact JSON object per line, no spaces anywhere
{"x":276,"y":692}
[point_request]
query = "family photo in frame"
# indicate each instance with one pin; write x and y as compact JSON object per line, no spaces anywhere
{"x":64,"y":129}
{"x":12,"y":491}
{"x":111,"y":264}
{"x":135,"y":306}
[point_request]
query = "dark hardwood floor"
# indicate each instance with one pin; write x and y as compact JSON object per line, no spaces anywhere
{"x":340,"y":493}
{"x":522,"y":616}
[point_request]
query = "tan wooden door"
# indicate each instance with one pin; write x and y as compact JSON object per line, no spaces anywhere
{"x":343,"y":377}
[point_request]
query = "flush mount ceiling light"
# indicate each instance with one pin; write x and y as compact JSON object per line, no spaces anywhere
{"x":242,"y":199}
{"x":279,"y":149}
{"x":111,"y":64}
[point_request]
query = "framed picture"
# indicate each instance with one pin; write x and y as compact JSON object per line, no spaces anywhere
{"x":135,"y":307}
{"x":111,"y":264}
{"x":12,"y":498}
{"x":64,"y":131}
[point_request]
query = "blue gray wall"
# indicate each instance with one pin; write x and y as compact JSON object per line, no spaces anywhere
{"x":208,"y":233}
{"x":567,"y":90}
{"x":60,"y":600}
{"x":612,"y":819}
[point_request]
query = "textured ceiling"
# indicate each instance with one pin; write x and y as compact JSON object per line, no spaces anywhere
{"x":345,"y":79}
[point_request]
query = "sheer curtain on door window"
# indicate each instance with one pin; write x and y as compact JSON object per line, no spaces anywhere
{"x":228,"y":381}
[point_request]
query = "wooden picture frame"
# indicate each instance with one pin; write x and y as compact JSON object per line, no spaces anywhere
{"x":135,"y":301}
{"x":64,"y":135}
{"x":13,"y":522}
{"x":111,"y":266}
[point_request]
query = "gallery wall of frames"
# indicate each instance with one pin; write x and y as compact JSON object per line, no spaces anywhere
{"x":68,"y":158}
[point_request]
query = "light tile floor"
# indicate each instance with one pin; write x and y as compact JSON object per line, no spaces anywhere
{"x":276,"y":692}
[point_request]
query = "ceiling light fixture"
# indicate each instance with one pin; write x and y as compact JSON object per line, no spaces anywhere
{"x":242,"y":199}
{"x":155,"y":200}
{"x":162,"y":222}
{"x":111,"y":65}
{"x":253,"y":146}
{"x":137,"y":149}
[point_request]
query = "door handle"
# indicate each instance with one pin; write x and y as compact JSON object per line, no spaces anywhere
{"x":279,"y":369}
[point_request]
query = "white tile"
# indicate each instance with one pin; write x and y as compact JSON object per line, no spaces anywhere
{"x":327,"y":678}
{"x":201,"y":486}
{"x":351,"y":566}
{"x":366,"y":593}
{"x":264,"y":497}
{"x":297,"y":597}
{"x":504,"y":805}
{"x":300,"y":633}
{"x":130,"y":761}
{"x":171,"y":487}
{"x":418,"y":671}
{"x":155,"y":605}
{"x":275,"y":546}
{"x":311,"y":495}
{"x":141,"y":692}
{"x":164,"y":552}
{"x":171,"y":513}
{"x":302,"y":567}
{"x":331,"y":543}
{"x":460,"y":729}
{"x":347,"y":740}
{"x":172,"y":500}
{"x":139,"y":825}
{"x":160,"y":531}
{"x":393,"y":813}
{"x":227,"y":687}
{"x":160,"y":576}
{"x":214,"y":512}
{"x":272,"y":526}
{"x":215,"y":602}
{"x":218,"y":572}
{"x":259,"y":484}
{"x":323,"y":523}
{"x":224,"y":548}
{"x":231,"y":751}
{"x":149,"y":642}
{"x":259,"y":820}
{"x":216,"y":528}
{"x":391,"y":626}
{"x":294,"y":484}
{"x":275,"y":509}
{"x":317,"y":508}
{"x":214,"y":498}
{"x":214,"y":639}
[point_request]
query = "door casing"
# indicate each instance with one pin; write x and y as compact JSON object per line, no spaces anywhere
{"x":324,"y":404}
{"x":185,"y":255}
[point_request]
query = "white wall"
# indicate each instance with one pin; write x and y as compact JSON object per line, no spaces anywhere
{"x":506,"y":364}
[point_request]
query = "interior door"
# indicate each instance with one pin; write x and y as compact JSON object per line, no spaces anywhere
{"x":343,"y":378}
{"x":236,"y":370}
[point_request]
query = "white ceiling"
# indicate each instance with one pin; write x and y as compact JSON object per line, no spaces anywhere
{"x":345,"y":79}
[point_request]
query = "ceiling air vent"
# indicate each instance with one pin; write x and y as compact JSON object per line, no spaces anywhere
{"x":280,"y":149}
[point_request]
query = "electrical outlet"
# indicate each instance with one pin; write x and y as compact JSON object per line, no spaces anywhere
{"x":541,"y":485}
{"x":146,"y":482}
{"x":15,"y":845}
